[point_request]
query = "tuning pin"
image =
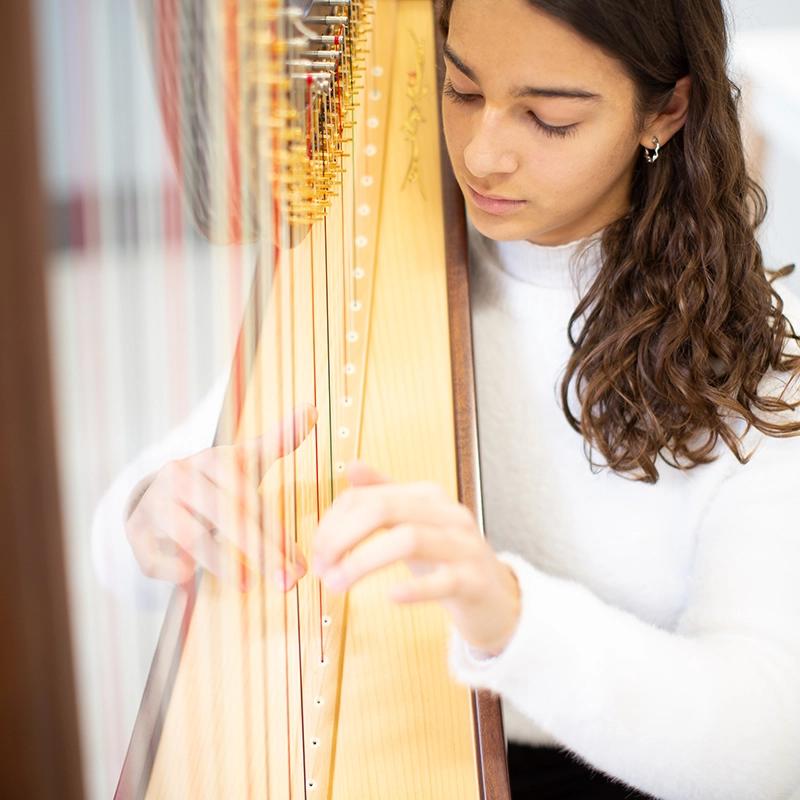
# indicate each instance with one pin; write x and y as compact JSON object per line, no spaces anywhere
{"x":328,"y":21}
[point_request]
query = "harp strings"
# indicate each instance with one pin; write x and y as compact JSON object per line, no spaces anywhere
{"x":270,"y":166}
{"x":236,"y":116}
{"x":239,"y":120}
{"x":313,"y":219}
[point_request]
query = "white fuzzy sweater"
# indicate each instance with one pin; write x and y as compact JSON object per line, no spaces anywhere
{"x":660,"y":630}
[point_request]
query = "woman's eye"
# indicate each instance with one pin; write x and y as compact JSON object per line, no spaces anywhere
{"x":562,"y":131}
{"x":457,"y":97}
{"x":553,"y":130}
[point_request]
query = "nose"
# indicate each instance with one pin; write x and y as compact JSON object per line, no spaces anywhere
{"x":488,"y":152}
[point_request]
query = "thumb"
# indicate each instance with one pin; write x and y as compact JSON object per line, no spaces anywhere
{"x":361,"y":474}
{"x":261,"y":452}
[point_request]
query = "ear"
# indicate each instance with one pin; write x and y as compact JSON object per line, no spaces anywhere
{"x":671,"y":118}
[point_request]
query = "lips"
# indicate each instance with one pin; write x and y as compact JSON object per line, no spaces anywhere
{"x":494,"y":205}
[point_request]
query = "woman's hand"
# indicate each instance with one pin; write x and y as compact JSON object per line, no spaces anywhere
{"x":206,"y":510}
{"x":438,"y":539}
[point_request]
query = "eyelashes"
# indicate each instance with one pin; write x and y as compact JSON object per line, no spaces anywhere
{"x":562,"y":131}
{"x":456,"y":97}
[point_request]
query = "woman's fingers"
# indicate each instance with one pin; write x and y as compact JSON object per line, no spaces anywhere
{"x":361,"y":474}
{"x":160,"y":557}
{"x":440,"y":584}
{"x":407,"y":542}
{"x":233,"y":505}
{"x":195,"y":538}
{"x":197,"y":542}
{"x":436,"y":537}
{"x":363,"y":510}
{"x":258,"y":454}
{"x":220,"y":510}
{"x":207,"y":510}
{"x":183,"y":505}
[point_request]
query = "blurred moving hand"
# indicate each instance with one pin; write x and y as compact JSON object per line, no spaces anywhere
{"x":206,"y":511}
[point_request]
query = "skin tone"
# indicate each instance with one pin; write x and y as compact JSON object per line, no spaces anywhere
{"x":534,"y":113}
{"x":206,"y":511}
{"x":542,"y":132}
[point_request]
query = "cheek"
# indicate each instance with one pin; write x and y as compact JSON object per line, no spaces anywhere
{"x":456,"y":122}
{"x":454,"y":147}
{"x":577,"y":169}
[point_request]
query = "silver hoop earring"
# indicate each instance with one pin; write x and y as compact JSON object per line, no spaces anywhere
{"x":652,"y":156}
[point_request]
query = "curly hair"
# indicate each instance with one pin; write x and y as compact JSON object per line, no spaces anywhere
{"x":681,"y":324}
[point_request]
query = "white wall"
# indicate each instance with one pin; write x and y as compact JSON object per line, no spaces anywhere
{"x":758,"y":14}
{"x":769,"y":62}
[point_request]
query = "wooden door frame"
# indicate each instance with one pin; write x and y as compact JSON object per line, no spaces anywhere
{"x":39,"y":745}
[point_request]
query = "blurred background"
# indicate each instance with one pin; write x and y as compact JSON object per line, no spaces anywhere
{"x":144,"y":313}
{"x":766,"y":60}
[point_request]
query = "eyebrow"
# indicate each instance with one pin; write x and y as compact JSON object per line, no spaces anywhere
{"x":522,"y":91}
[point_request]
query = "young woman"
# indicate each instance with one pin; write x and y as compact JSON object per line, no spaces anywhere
{"x":639,"y":604}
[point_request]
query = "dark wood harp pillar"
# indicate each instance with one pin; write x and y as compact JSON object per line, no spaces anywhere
{"x":493,"y":771}
{"x":39,"y":752}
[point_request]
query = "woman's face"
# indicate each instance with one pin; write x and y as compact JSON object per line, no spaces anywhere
{"x":539,"y":122}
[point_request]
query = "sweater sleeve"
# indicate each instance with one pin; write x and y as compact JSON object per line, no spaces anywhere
{"x":710,"y":710}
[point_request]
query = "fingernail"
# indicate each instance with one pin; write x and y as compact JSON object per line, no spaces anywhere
{"x":300,"y":569}
{"x":284,"y":580}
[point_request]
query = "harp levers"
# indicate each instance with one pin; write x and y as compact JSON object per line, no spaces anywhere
{"x":306,"y":693}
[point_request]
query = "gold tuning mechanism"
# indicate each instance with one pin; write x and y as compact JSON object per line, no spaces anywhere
{"x":303,"y":90}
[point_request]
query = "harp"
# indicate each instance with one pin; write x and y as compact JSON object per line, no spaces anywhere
{"x":331,"y":157}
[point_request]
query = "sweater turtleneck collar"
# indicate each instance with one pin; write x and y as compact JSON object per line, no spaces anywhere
{"x":566,"y":266}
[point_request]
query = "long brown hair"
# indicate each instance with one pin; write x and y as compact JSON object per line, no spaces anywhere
{"x":673,"y":338}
